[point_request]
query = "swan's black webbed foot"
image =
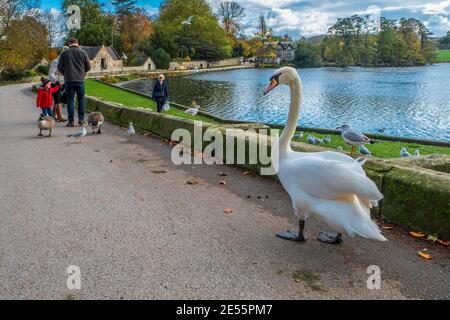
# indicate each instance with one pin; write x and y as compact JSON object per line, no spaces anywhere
{"x":292,"y":236}
{"x":329,"y":237}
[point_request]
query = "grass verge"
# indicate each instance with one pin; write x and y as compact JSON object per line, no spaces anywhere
{"x":443,"y":55}
{"x":108,"y":93}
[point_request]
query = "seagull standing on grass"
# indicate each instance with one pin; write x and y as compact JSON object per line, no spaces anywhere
{"x":311,"y":139}
{"x":299,"y":135}
{"x":130,"y":132}
{"x":416,"y":153}
{"x":327,"y":139}
{"x":354,"y":137}
{"x":404,"y":153}
{"x":79,"y":134}
{"x":192,"y":111}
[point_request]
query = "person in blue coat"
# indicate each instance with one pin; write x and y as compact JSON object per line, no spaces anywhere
{"x":160,"y":92}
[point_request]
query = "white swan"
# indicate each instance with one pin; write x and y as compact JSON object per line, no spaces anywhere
{"x":328,"y":186}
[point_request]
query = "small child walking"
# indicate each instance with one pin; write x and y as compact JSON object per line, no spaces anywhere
{"x":44,"y":98}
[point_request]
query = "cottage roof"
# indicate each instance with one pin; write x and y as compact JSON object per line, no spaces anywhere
{"x":285,"y":44}
{"x":137,"y":62}
{"x":93,"y":51}
{"x":113,"y":53}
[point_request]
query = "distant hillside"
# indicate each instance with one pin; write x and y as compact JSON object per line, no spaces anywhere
{"x":316,"y":39}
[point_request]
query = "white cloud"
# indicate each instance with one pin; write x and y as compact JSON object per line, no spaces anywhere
{"x":437,"y":8}
{"x":304,"y":23}
{"x":308,"y":17}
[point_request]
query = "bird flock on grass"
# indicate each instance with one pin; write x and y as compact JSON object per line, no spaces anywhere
{"x":354,"y":138}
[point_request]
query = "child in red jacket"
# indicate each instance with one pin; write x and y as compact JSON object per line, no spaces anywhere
{"x":44,"y":98}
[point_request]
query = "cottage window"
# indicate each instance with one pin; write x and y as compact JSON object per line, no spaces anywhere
{"x":103,"y":64}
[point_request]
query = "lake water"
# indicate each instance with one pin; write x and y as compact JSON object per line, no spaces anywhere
{"x":407,"y":102}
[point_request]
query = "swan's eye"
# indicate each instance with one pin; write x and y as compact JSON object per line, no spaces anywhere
{"x":275,"y":77}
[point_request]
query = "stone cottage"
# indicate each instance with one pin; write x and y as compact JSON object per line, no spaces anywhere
{"x":140,"y":64}
{"x":103,"y":59}
{"x":284,"y":52}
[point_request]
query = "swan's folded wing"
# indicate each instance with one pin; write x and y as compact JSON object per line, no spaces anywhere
{"x":332,"y":180}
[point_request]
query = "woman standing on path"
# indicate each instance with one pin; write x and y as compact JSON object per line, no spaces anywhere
{"x":160,"y":92}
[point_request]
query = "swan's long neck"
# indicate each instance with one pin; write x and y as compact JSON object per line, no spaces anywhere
{"x":294,"y":111}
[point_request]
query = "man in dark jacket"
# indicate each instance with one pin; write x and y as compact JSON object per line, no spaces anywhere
{"x":73,"y":65}
{"x":160,"y":92}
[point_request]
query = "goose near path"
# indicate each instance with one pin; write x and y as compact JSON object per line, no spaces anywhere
{"x":328,"y":186}
{"x":95,"y":121}
{"x":354,"y":137}
{"x":46,"y":123}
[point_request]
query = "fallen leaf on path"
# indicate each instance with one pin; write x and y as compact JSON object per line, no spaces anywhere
{"x":417,"y":234}
{"x":193,"y":181}
{"x":247,"y":173}
{"x":222,"y":174}
{"x":424,"y":255}
{"x":227,"y":210}
{"x":386,"y":227}
{"x":432,"y":238}
{"x":222,"y":182}
{"x":444,"y":242}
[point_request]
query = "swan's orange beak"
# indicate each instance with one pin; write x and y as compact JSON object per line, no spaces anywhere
{"x":271,"y":86}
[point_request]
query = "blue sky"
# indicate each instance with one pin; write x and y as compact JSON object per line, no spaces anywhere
{"x":314,"y":17}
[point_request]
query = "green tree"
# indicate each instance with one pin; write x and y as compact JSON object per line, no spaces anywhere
{"x":392,"y":48}
{"x":25,"y":43}
{"x":444,"y":42}
{"x":203,"y":38}
{"x":161,"y":58}
{"x":96,"y":27}
{"x":307,"y":55}
{"x":353,"y":41}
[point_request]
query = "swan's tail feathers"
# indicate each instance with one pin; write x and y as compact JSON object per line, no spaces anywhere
{"x":377,"y":236}
{"x":364,"y":226}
